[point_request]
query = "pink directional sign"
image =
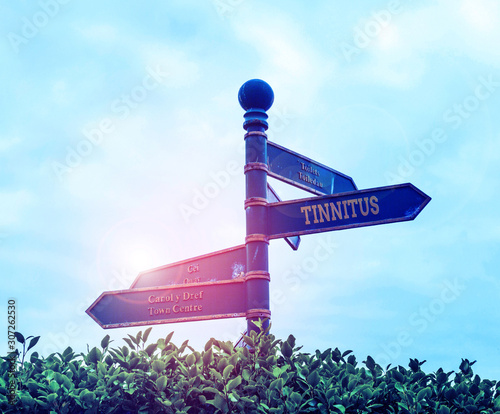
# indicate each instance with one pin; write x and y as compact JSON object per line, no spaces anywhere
{"x":347,"y":210}
{"x":170,"y":304}
{"x":225,"y":264}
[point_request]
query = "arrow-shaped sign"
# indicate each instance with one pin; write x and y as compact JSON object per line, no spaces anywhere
{"x":195,"y":302}
{"x":224,"y":264}
{"x":342,"y":211}
{"x":302,"y":172}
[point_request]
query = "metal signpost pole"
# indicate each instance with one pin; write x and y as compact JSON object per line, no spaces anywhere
{"x":256,"y":97}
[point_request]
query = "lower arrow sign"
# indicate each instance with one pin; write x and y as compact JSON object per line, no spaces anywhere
{"x":170,"y":304}
{"x":342,"y":211}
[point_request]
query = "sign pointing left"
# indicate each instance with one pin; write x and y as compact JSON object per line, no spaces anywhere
{"x":180,"y":303}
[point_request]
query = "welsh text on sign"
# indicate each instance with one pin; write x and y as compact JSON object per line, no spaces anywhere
{"x":169,"y":304}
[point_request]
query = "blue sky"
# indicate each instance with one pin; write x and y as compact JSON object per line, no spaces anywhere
{"x":115,"y":118}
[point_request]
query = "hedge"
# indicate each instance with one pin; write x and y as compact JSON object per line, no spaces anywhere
{"x":267,"y":375}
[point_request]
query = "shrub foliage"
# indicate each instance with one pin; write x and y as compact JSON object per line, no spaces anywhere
{"x":266,"y":376}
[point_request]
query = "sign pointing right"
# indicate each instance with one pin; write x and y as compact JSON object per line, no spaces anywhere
{"x":346,"y":210}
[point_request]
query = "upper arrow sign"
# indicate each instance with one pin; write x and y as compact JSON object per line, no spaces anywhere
{"x":302,"y":172}
{"x":342,"y":211}
{"x":225,"y":264}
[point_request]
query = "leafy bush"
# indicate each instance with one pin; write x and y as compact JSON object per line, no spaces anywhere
{"x":265,"y":376}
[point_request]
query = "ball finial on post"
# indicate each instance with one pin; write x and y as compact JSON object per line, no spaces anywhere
{"x":256,"y":94}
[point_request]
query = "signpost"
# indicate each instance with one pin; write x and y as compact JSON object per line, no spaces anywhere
{"x":235,"y":282}
{"x":169,"y":304}
{"x":302,"y":172}
{"x":225,"y":264}
{"x":343,"y":211}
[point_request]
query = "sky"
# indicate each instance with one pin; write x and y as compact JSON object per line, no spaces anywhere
{"x":121,"y":149}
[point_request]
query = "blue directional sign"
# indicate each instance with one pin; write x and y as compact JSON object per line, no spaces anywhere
{"x":302,"y":172}
{"x":342,"y":211}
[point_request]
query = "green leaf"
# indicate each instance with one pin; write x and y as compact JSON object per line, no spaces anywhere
{"x":19,"y":336}
{"x":216,"y":374}
{"x":54,"y":386}
{"x":105,"y":342}
{"x":340,"y":407}
{"x":443,"y":410}
{"x":158,"y":366}
{"x":370,"y":363}
{"x":227,"y":372}
{"x":89,"y":397}
{"x":276,"y":384}
{"x":134,"y":362}
{"x":227,"y":347}
{"x":496,"y":403}
{"x":352,"y":384}
{"x":68,"y":354}
{"x":94,"y":355}
{"x":150,"y":349}
{"x":129,"y":343}
{"x":296,"y":397}
{"x":101,"y":368}
{"x":211,"y":389}
{"x":399,"y":387}
{"x":146,"y":334}
{"x":234,"y":383}
{"x":220,"y":403}
{"x":161,"y":382}
{"x":249,"y":341}
{"x":33,"y":342}
{"x":208,"y":357}
{"x":424,"y":393}
{"x":168,"y":337}
{"x":247,"y":374}
{"x":286,"y":349}
{"x":313,"y":379}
